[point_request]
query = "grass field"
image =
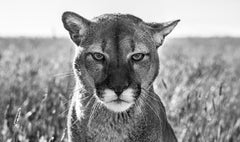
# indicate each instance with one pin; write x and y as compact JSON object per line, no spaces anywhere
{"x":199,"y":83}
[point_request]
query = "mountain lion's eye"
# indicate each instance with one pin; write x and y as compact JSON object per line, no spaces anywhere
{"x":137,"y":57}
{"x":98,"y":56}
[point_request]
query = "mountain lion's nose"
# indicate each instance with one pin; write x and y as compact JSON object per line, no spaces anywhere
{"x":118,"y":79}
{"x":119,"y":89}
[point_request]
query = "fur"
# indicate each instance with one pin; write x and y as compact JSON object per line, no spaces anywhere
{"x":115,"y":65}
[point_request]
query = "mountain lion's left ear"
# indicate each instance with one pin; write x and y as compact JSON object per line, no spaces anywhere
{"x":161,"y":30}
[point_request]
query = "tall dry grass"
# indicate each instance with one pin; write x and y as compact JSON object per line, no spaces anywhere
{"x":199,"y":83}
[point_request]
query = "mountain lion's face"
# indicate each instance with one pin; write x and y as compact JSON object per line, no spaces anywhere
{"x":118,"y":56}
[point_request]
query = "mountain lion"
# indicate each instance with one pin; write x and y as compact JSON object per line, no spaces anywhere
{"x":116,"y":62}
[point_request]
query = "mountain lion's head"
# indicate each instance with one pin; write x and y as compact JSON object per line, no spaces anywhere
{"x":117,"y":56}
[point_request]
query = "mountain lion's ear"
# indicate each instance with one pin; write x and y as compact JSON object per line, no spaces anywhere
{"x":161,"y":30}
{"x":76,"y":25}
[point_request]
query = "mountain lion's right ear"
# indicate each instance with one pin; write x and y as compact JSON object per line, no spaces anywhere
{"x":76,"y":25}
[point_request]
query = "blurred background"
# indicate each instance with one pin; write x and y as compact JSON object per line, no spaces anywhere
{"x":199,"y":80}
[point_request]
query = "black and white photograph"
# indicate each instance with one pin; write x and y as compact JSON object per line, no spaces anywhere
{"x":119,"y":71}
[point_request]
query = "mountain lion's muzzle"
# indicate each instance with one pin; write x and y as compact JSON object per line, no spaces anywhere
{"x":118,"y":89}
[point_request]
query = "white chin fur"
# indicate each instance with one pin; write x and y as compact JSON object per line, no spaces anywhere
{"x":127,"y":96}
{"x":118,"y":107}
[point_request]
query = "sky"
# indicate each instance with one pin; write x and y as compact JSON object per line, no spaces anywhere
{"x":198,"y":17}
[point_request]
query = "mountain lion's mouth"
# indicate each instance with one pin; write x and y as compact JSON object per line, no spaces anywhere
{"x":118,"y":103}
{"x":118,"y":100}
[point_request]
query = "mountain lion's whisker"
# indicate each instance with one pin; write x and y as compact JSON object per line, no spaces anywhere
{"x":93,"y":109}
{"x":89,"y":101}
{"x":151,"y":95}
{"x":65,"y":74}
{"x":63,"y":113}
{"x":152,"y":108}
